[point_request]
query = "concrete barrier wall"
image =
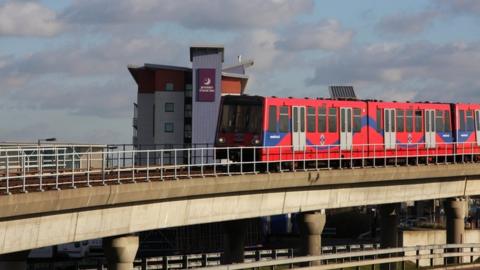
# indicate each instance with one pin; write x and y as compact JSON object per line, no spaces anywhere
{"x":435,"y":237}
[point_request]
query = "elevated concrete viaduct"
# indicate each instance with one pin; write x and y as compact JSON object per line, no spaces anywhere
{"x":39,"y":219}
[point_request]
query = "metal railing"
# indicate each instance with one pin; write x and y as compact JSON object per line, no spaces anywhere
{"x":434,"y":255}
{"x":56,"y":168}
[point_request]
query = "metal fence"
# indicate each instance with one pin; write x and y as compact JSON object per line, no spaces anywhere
{"x":437,"y":255}
{"x":60,"y":168}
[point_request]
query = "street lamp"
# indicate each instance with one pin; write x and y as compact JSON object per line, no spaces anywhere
{"x":46,"y":140}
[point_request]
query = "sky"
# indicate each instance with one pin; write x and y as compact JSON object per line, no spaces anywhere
{"x":63,"y":64}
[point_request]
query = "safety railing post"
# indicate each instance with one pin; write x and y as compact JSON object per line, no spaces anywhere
{"x":374,"y":155}
{"x":328,"y":154}
{"x":175,"y":163}
{"x":118,"y":165}
{"x":351,"y":156}
{"x":241,"y":160}
{"x":385,"y":156}
{"x":161,"y":165}
{"x":123,"y":156}
{"x":316,"y":158}
{"x":304,"y":158}
{"x":73,"y":170}
{"x":463,"y":152}
{"x":363,"y":155}
{"x":228,"y":160}
{"x":189,"y":162}
{"x":24,"y":174}
{"x":254,"y":160}
{"x":103,"y":166}
{"x":396,"y":155}
{"x":148,"y":165}
{"x":340,"y":157}
{"x":268,"y":159}
{"x":214,"y":162}
{"x":202,"y":161}
{"x":134,"y":156}
{"x":417,"y":153}
{"x":7,"y":167}
{"x":280,"y":158}
{"x":88,"y":169}
{"x":40,"y":169}
{"x":56,"y":169}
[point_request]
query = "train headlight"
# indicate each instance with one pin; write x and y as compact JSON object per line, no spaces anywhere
{"x":256,"y":141}
{"x":221,"y":140}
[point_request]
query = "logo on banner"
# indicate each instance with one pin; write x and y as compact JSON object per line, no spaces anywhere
{"x":206,"y":84}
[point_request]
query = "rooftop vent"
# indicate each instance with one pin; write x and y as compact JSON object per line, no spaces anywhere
{"x":342,"y":92}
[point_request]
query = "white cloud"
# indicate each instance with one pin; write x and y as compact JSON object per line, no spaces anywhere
{"x":324,"y":35}
{"x":406,"y":24}
{"x":445,"y":72}
{"x":194,"y":14}
{"x":25,"y":18}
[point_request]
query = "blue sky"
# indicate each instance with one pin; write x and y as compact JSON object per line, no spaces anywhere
{"x":63,"y":63}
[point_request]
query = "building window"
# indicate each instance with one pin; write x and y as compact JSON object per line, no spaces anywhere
{"x":169,"y":87}
{"x":169,"y":127}
{"x":169,"y":107}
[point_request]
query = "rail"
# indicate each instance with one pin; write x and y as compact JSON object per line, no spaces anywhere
{"x":54,"y":168}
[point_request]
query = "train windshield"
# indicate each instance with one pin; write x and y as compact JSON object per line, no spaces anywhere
{"x":241,"y":118}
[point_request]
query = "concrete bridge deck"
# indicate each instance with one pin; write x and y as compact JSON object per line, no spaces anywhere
{"x":47,"y":218}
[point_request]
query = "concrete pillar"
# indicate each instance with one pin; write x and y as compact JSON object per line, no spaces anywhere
{"x":14,"y":261}
{"x":120,"y":251}
{"x":311,"y":228}
{"x":455,"y":215}
{"x":234,"y":241}
{"x":389,"y":228}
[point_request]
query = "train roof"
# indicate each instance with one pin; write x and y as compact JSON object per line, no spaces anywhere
{"x":259,"y":98}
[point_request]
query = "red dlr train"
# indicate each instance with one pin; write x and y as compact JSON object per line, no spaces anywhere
{"x":276,"y":129}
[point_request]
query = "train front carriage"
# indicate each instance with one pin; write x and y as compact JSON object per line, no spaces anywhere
{"x":240,"y":126}
{"x":467,"y":130}
{"x":410,"y":130}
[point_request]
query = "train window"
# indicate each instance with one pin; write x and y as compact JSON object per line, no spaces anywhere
{"x":477,"y":113}
{"x":342,"y":122}
{"x":409,"y":121}
{"x":357,"y":120}
{"x":461,"y":115}
{"x":379,"y":119}
{"x":272,"y":119}
{"x":439,"y":122}
{"x":322,"y":119}
{"x":470,"y":123}
{"x":332,"y":120}
{"x":448,"y":125}
{"x":418,"y":121}
{"x":254,"y":120}
{"x":310,"y":119}
{"x":349,"y":120}
{"x":400,"y":120}
{"x":302,"y":119}
{"x":283,"y":119}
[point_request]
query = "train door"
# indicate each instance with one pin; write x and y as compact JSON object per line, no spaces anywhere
{"x":430,"y":129}
{"x":477,"y":125}
{"x":389,"y":136}
{"x":346,"y":128}
{"x":299,"y":137}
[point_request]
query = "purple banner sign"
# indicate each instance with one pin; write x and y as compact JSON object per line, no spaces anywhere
{"x":206,"y":84}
